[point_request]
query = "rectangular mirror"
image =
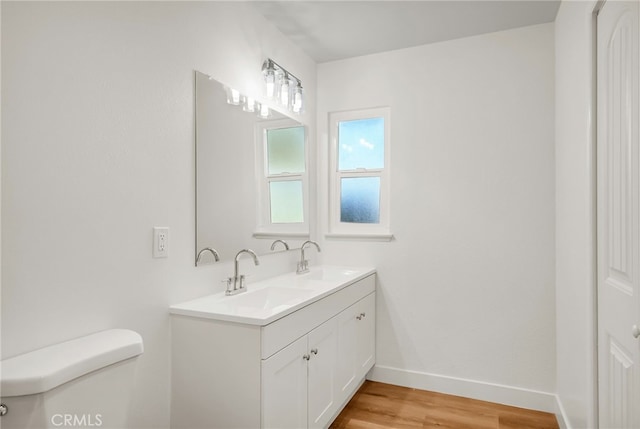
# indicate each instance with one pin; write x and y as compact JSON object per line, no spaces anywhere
{"x":251,"y":174}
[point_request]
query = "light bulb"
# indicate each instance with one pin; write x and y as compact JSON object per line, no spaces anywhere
{"x":270,"y":83}
{"x":269,"y":72}
{"x":297,"y":99}
{"x":284,"y":92}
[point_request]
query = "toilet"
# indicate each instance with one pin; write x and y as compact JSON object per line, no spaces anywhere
{"x":82,"y":383}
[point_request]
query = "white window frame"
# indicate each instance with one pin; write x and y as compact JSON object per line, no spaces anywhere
{"x":380,"y":231}
{"x":264,"y":227}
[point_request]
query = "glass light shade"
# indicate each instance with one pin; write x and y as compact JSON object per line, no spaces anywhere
{"x":249,"y":104}
{"x":270,"y":82}
{"x":233,"y":96}
{"x":264,"y":111}
{"x":297,"y":99}
{"x":284,"y":91}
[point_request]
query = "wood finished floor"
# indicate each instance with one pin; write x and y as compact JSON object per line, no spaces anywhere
{"x":378,"y":405}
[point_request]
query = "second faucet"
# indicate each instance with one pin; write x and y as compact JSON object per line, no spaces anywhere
{"x":303,"y":265}
{"x":238,"y":279}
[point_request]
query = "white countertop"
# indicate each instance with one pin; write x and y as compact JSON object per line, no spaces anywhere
{"x":269,"y":300}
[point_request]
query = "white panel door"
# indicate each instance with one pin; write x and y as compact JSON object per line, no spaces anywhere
{"x":284,"y":387}
{"x":618,"y":187}
{"x":322,"y":403}
{"x":366,"y":335}
{"x":347,"y":365}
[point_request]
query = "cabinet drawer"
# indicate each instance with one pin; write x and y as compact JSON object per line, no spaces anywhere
{"x":282,"y":332}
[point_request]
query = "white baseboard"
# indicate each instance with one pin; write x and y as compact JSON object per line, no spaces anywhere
{"x":491,"y":392}
{"x":561,"y":415}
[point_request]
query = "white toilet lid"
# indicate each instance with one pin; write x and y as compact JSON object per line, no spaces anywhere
{"x":44,"y":369}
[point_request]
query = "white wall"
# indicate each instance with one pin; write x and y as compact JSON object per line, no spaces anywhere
{"x":466,"y":291}
{"x":97,"y":148}
{"x":575,"y":198}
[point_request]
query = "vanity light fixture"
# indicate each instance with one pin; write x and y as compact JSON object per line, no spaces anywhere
{"x":282,"y":86}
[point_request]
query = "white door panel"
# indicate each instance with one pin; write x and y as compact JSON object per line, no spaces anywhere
{"x":284,"y":387}
{"x":366,"y":334}
{"x":347,"y":366}
{"x":322,"y":402}
{"x":618,"y":188}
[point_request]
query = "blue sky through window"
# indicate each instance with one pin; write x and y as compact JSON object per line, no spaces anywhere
{"x":361,"y":144}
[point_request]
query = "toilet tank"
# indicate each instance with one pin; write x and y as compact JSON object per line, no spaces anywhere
{"x":82,"y":383}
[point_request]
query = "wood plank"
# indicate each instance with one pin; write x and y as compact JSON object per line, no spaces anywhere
{"x":379,"y":405}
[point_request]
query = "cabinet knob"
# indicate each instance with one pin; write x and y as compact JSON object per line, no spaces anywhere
{"x":314,"y":351}
{"x":359,"y":317}
{"x":363,"y":314}
{"x":306,"y":357}
{"x":635,"y":330}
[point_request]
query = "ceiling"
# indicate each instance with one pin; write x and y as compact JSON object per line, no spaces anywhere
{"x":333,"y":30}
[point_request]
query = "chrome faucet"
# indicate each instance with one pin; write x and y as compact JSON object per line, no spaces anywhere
{"x":284,"y":243}
{"x":303,"y":265}
{"x":238,"y":280}
{"x":215,"y":254}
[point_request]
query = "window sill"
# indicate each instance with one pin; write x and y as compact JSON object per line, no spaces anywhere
{"x":359,"y":237}
{"x":275,"y":234}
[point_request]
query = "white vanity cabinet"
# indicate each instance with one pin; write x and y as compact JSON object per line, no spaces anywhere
{"x":298,"y":382}
{"x":295,"y":372}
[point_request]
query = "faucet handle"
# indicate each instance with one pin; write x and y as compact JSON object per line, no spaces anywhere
{"x":227,"y":282}
{"x":303,"y":267}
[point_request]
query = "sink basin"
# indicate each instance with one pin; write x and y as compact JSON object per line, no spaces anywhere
{"x":270,"y":299}
{"x":257,"y":305}
{"x":330,"y":274}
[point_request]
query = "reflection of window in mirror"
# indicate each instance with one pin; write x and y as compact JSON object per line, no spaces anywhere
{"x":282,"y":179}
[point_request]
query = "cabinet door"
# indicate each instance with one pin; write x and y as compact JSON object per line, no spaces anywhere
{"x":346,"y":368}
{"x":366,"y":335}
{"x":322,"y":402}
{"x":284,"y":387}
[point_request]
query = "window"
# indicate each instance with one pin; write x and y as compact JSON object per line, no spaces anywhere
{"x":281,"y":166}
{"x":359,"y":175}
